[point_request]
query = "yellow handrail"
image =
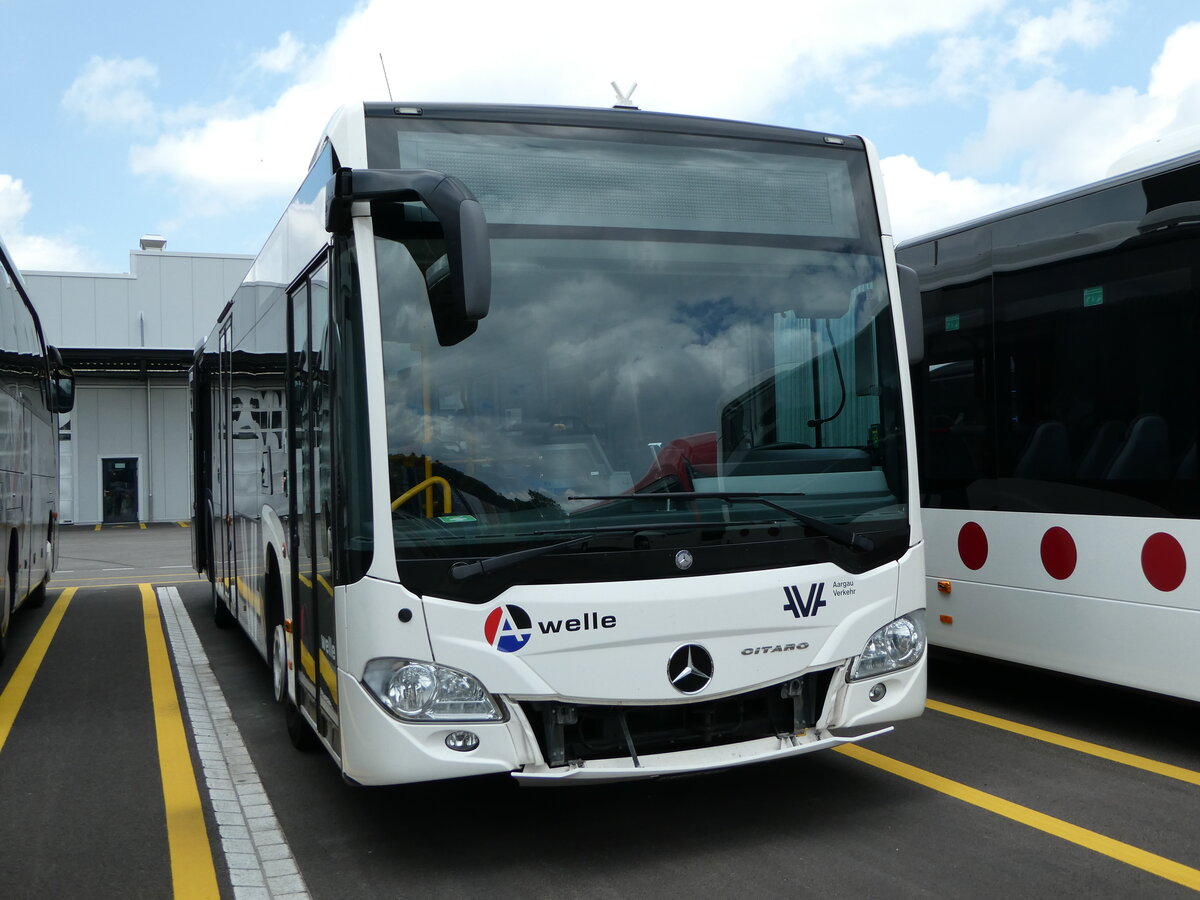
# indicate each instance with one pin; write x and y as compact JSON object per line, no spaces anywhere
{"x":424,"y":485}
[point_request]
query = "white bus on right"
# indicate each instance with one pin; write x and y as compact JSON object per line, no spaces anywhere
{"x":1058,"y":411}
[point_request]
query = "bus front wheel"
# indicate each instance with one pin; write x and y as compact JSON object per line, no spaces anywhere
{"x":5,"y":616}
{"x":37,"y":599}
{"x":300,"y":733}
{"x":10,"y":603}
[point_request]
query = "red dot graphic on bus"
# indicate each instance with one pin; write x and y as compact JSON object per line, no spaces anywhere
{"x":1163,"y":561}
{"x":1058,"y":553}
{"x":972,"y":545}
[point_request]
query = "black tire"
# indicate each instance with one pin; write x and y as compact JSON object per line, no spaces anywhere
{"x":221,"y":614}
{"x":6,"y":622}
{"x":38,"y":598}
{"x":299,"y":732}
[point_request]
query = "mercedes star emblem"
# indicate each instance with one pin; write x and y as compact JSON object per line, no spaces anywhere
{"x":690,"y":669}
{"x":683,"y":560}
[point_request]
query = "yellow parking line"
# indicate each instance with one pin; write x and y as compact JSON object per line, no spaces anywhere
{"x":1090,"y":840}
{"x":18,"y":685}
{"x":193,"y":873}
{"x":104,"y":583}
{"x":1050,"y":737}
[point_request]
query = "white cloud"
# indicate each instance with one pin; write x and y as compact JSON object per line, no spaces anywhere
{"x":1062,"y":138}
{"x":963,"y":65}
{"x":1044,"y":136}
{"x":1175,"y":71}
{"x":991,"y":51}
{"x":985,"y":61}
{"x":920,"y":201}
{"x":1081,"y":22}
{"x":31,"y":251}
{"x":1051,"y":137}
{"x":14,"y":203}
{"x":112,"y":93}
{"x":1175,"y":92}
{"x":284,"y":57}
{"x":693,"y":59}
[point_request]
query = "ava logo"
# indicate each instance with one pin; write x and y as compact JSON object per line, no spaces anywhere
{"x":798,"y":606}
{"x":508,"y":628}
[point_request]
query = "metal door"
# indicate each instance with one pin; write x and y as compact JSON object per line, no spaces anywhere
{"x":119,"y":489}
{"x":226,"y":555}
{"x":300,"y":505}
{"x":309,"y":472}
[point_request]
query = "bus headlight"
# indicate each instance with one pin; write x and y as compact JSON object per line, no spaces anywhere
{"x":897,"y":645}
{"x":426,"y":692}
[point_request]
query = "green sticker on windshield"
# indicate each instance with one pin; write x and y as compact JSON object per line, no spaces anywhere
{"x":1093,"y":296}
{"x":952,"y":323}
{"x":453,"y":519}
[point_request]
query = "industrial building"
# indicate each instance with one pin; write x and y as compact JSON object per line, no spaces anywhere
{"x":124,"y":453}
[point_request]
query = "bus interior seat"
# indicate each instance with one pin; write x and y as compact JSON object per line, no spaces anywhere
{"x":948,"y":452}
{"x":1103,"y":448}
{"x":1047,"y":455}
{"x":1145,"y":454}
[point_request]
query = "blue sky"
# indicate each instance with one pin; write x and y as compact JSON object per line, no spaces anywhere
{"x":197,"y":121}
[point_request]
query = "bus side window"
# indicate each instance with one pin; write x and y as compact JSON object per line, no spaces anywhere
{"x":958,"y":443}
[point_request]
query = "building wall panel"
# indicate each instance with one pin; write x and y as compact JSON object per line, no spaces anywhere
{"x":169,"y":301}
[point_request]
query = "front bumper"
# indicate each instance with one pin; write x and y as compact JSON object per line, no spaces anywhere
{"x":686,"y":761}
{"x":378,"y":749}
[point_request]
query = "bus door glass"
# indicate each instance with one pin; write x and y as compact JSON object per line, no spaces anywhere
{"x":309,"y":417}
{"x":300,"y":507}
{"x":224,"y":513}
{"x":321,"y":487}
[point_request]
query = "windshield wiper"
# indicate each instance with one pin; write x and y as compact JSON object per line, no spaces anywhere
{"x":829,"y":529}
{"x":461,"y":571}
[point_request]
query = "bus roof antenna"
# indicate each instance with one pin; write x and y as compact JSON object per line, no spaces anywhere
{"x":383,"y":66}
{"x":624,"y":98}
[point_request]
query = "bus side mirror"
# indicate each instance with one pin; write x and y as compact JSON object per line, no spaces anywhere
{"x":910,"y":306}
{"x":464,"y":295}
{"x":62,"y":383}
{"x":63,"y":387}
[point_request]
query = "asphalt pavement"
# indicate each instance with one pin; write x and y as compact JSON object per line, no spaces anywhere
{"x":1015,"y":783}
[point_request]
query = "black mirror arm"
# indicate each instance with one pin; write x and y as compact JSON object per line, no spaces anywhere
{"x":455,"y":207}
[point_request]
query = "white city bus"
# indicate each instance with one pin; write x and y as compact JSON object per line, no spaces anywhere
{"x":34,"y":387}
{"x":574,"y":444}
{"x":1058,"y":425}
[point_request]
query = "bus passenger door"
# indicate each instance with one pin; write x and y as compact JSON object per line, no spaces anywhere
{"x":312,"y":589}
{"x":322,"y":514}
{"x":226,"y":555}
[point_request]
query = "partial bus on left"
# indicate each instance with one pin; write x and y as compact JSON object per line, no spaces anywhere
{"x":35,"y":387}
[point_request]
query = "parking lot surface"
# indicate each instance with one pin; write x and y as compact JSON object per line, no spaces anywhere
{"x":1014,"y":783}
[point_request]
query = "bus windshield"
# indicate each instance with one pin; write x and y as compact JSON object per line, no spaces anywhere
{"x":689,"y":318}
